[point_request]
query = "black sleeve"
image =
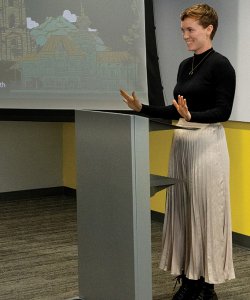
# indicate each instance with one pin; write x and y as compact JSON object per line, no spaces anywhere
{"x":168,"y":112}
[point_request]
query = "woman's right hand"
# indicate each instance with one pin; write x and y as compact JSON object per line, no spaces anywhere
{"x":181,"y":107}
{"x":132,"y":101}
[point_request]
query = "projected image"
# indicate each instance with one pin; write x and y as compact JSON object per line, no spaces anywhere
{"x":53,"y":49}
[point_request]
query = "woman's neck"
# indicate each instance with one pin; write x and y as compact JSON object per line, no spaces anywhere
{"x":204,"y":49}
{"x":203,"y":52}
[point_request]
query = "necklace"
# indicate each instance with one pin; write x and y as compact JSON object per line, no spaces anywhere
{"x":193,"y":68}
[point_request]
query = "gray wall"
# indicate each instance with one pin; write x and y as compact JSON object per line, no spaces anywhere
{"x":30,"y":155}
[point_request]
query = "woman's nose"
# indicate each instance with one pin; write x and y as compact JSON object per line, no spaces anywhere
{"x":185,"y":35}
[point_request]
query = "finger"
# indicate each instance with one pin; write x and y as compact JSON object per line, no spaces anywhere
{"x":179,"y":99}
{"x":124,"y":94}
{"x":176,"y":105}
{"x":185,"y":104}
{"x":182,"y":102}
{"x":122,"y":91}
{"x":134,"y":96}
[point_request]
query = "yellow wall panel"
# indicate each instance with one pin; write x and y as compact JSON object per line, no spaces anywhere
{"x":160,"y":143}
{"x":238,"y":138}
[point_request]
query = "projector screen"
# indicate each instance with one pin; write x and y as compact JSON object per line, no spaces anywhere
{"x":71,"y":54}
{"x":231,"y":40}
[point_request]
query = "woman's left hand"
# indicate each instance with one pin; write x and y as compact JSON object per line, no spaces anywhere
{"x":181,"y":106}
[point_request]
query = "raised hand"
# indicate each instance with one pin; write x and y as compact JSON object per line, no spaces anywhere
{"x":182,"y":108}
{"x":132,"y":101}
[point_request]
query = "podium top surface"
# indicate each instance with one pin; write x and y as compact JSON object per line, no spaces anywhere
{"x":155,"y":123}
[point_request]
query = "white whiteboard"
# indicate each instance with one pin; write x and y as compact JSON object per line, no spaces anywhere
{"x":71,"y":54}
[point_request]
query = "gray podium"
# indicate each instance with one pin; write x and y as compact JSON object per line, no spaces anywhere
{"x":113,"y":208}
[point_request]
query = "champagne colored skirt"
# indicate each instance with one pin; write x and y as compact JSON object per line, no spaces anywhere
{"x":197,"y":235}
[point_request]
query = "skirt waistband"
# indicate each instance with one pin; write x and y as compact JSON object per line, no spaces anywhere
{"x":184,"y":123}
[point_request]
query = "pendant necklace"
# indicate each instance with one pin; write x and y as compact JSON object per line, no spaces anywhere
{"x":193,"y":68}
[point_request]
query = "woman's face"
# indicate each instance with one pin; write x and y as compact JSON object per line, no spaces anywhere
{"x":196,"y":37}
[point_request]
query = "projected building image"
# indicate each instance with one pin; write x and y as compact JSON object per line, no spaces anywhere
{"x":60,"y":55}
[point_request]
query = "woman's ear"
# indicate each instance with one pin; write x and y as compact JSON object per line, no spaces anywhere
{"x":210,"y":29}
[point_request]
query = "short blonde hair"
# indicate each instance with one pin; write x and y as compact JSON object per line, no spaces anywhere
{"x":204,"y":13}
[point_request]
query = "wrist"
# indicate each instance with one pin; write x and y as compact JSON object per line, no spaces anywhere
{"x":188,"y":117}
{"x":139,"y":107}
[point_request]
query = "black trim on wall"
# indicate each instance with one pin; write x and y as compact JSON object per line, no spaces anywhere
{"x":157,"y":216}
{"x":43,"y":192}
{"x":155,"y":88}
{"x":241,"y":240}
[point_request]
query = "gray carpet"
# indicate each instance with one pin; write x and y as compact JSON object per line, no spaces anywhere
{"x":38,"y":254}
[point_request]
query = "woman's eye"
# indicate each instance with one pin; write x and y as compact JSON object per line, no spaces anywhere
{"x":187,"y":30}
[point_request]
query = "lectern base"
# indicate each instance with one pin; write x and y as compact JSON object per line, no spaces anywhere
{"x":113,"y":206}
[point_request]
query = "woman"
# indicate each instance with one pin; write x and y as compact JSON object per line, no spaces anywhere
{"x":197,"y":240}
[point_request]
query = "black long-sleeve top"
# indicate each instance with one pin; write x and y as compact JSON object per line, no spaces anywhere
{"x":209,"y":91}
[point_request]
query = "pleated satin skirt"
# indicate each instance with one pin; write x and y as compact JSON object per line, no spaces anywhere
{"x":197,"y":235}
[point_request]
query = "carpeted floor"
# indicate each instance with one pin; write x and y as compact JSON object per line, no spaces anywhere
{"x":38,"y":254}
